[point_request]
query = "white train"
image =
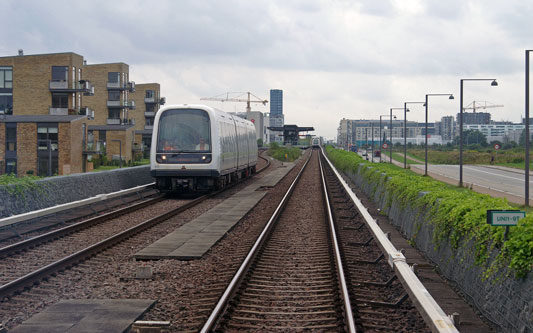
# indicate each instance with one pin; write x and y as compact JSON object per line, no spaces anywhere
{"x":315,"y":142}
{"x":199,"y":148}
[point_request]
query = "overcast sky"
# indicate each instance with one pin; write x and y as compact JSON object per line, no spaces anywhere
{"x":332,"y":59}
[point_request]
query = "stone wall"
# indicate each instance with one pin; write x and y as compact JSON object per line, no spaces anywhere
{"x":507,"y":302}
{"x":53,"y":191}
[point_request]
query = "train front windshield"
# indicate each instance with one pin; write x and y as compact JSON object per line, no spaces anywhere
{"x":184,"y":131}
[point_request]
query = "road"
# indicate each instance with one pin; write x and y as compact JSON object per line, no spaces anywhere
{"x":493,"y":180}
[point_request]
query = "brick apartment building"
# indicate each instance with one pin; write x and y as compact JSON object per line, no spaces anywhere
{"x":148,"y":100}
{"x":73,"y":111}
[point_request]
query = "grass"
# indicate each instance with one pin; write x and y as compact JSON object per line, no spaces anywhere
{"x":521,"y":166}
{"x":399,"y":157}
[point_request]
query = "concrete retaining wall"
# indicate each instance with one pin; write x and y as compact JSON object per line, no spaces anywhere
{"x":16,"y":199}
{"x":508,"y":302}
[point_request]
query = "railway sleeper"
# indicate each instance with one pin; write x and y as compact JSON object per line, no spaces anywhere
{"x":361,"y":244}
{"x":379,"y":284}
{"x":386,"y":304}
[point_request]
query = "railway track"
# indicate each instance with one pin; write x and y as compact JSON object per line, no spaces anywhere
{"x":319,"y":267}
{"x":26,"y":263}
{"x":290,"y":279}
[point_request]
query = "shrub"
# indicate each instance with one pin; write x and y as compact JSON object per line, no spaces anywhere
{"x":458,"y":214}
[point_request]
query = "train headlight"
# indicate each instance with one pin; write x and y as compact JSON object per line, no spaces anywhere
{"x":204,"y":157}
{"x":161,"y":158}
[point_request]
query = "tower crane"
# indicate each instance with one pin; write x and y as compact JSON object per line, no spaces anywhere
{"x":226,"y":98}
{"x":472,"y":106}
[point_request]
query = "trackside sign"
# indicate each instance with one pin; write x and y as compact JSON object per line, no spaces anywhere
{"x":504,"y":217}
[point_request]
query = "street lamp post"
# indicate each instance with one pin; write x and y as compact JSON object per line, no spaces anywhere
{"x":380,"y":137}
{"x":372,"y":130}
{"x":405,"y":131}
{"x":390,"y":133}
{"x":493,"y":83}
{"x":526,"y":192}
{"x":426,"y":104}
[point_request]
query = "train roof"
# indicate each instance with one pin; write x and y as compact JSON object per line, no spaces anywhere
{"x":212,"y":111}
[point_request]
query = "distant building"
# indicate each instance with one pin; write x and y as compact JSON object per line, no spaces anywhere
{"x":499,"y":132}
{"x":277,"y":118}
{"x":447,"y":128}
{"x":359,"y":132}
{"x":474,"y":118}
{"x":276,"y":103}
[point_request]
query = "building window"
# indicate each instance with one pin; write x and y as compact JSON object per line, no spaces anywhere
{"x":47,"y":149}
{"x":47,"y":133}
{"x":59,"y":73}
{"x":113,"y":113}
{"x":113,"y":77}
{"x":149,"y":94}
{"x":6,"y":103}
{"x":6,"y":77}
{"x":102,"y":136}
{"x":150,"y":107}
{"x":60,"y":101}
{"x":149,"y":121}
{"x":11,"y":166}
{"x":113,"y":95}
{"x":11,"y":137}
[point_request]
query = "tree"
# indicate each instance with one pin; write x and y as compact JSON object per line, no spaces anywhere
{"x":259,"y":142}
{"x":522,"y":140}
{"x":472,"y":137}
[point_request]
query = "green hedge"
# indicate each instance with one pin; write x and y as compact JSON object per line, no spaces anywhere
{"x":458,"y":214}
{"x":282,"y":153}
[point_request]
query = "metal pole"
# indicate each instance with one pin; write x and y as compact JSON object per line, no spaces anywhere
{"x":390,"y":137}
{"x":527,"y":131}
{"x":426,"y":160}
{"x":49,"y":157}
{"x":461,"y":135}
{"x":405,"y":135}
{"x":120,"y":153}
{"x":372,"y":129}
{"x":380,"y":137}
{"x":494,"y":83}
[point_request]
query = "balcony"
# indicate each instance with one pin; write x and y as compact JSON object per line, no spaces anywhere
{"x":82,"y":86}
{"x":115,"y":86}
{"x":149,"y":100}
{"x":149,"y":114}
{"x":116,"y":104}
{"x":148,"y":127}
{"x":113,"y":121}
{"x":86,"y":111}
{"x":130,"y":105}
{"x":130,"y":86}
{"x":53,"y":111}
{"x":58,"y":84}
{"x":94,"y":147}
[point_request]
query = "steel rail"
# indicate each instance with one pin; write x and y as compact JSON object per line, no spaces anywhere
{"x":32,"y":242}
{"x":69,"y":205}
{"x":237,"y":278}
{"x":431,"y":312}
{"x":350,"y":323}
{"x":36,"y":276}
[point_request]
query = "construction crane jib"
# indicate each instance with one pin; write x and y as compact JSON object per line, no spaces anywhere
{"x":237,"y":97}
{"x":481,"y":105}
